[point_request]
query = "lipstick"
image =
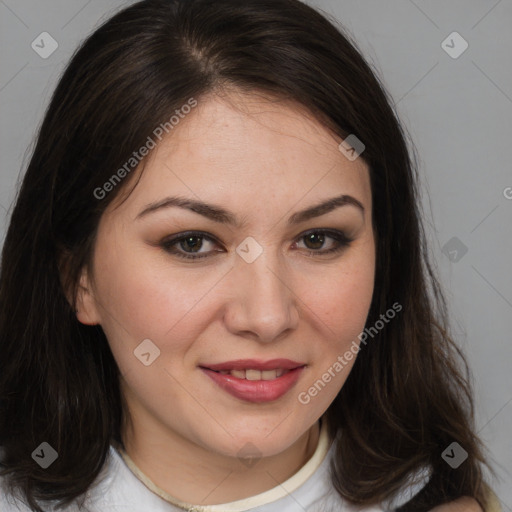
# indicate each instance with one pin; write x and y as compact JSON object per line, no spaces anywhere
{"x":255,"y":380}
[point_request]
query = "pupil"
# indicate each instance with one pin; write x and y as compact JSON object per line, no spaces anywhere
{"x":311,"y":238}
{"x":190,"y":243}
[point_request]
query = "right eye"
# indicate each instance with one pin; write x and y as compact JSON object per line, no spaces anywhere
{"x":187,"y":245}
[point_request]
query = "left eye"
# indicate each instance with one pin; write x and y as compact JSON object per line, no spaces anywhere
{"x":189,"y":245}
{"x":316,"y":239}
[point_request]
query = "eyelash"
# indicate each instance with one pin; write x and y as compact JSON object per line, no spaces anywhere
{"x":341,"y":238}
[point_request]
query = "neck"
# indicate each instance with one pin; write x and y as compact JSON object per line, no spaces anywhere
{"x":194,"y":475}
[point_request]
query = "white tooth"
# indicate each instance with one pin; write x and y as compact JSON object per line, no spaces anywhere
{"x":279,"y":372}
{"x":269,"y":374}
{"x":238,"y":373}
{"x":253,"y":374}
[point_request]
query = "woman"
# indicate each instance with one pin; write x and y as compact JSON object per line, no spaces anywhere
{"x":215,"y":293}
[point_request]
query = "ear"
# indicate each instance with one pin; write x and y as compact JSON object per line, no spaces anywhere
{"x":84,"y":303}
{"x":86,"y":307}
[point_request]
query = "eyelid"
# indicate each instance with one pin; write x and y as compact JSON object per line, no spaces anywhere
{"x":185,"y":234}
{"x":168,"y":242}
{"x":339,"y":236}
{"x":335,"y":233}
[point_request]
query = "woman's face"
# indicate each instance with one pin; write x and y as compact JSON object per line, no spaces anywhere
{"x":263,"y":286}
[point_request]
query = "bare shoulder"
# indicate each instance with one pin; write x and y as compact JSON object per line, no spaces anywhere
{"x":464,"y":504}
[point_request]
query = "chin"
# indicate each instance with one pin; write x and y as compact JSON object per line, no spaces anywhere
{"x":258,"y":440}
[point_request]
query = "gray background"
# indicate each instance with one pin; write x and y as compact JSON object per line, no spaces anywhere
{"x":457,"y":110}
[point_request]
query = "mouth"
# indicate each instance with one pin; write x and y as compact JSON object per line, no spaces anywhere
{"x":255,"y":381}
{"x":253,"y":374}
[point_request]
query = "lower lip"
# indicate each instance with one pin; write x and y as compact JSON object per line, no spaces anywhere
{"x":256,"y":391}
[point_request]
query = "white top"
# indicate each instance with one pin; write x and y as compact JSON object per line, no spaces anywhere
{"x":122,"y":487}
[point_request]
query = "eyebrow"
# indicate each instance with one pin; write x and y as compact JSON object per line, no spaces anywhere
{"x":219,"y":214}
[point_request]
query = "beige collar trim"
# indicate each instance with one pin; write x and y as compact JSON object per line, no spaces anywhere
{"x":278,"y":492}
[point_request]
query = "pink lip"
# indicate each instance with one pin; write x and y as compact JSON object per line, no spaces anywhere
{"x":254,"y":364}
{"x":256,"y":391}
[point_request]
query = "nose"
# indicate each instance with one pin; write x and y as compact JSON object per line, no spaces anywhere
{"x":263,"y":305}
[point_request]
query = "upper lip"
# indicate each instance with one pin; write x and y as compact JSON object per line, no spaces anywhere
{"x":254,"y":364}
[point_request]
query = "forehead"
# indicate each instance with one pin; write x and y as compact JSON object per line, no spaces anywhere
{"x":237,"y":147}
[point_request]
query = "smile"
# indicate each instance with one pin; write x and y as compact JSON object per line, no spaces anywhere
{"x":255,"y":381}
{"x":252,"y":374}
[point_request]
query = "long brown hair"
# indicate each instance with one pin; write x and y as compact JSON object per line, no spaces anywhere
{"x":407,"y":397}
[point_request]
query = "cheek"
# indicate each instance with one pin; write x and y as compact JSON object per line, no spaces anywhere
{"x":345,"y":305}
{"x":341,"y":298}
{"x":139,"y":299}
{"x":339,"y":303}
